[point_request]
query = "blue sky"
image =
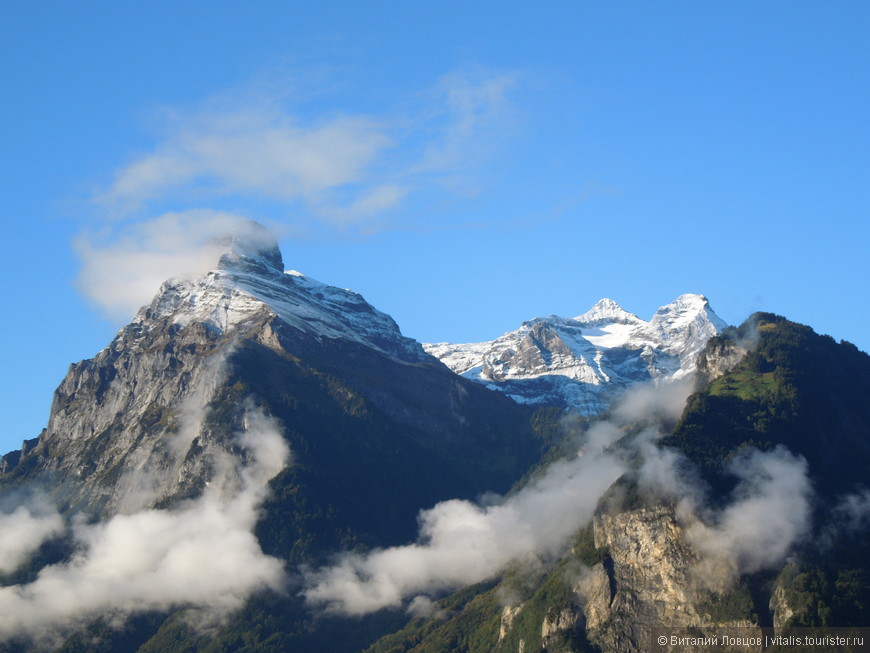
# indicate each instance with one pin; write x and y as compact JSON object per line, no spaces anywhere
{"x":465,"y":166}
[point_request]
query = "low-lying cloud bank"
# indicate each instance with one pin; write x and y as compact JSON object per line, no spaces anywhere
{"x":201,"y":554}
{"x":461,"y":542}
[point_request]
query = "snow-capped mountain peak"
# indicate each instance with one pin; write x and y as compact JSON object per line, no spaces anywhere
{"x":583,"y":362}
{"x":249,"y":281}
{"x":683,"y":328}
{"x":606,"y":310}
{"x":685,"y":309}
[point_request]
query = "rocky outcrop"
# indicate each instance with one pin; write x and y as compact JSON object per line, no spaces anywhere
{"x":646,"y":580}
{"x":780,"y":607}
{"x":135,"y":426}
{"x":508,"y":614}
{"x":720,"y":356}
{"x":648,"y":570}
{"x":557,"y":627}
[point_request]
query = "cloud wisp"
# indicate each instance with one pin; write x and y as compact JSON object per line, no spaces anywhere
{"x":342,"y":168}
{"x":260,"y":152}
{"x":24,"y":529}
{"x":769,"y":513}
{"x":462,"y":542}
{"x":342,"y":173}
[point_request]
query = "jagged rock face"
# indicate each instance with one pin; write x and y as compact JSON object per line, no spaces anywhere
{"x":648,"y":575}
{"x":780,"y":608}
{"x":648,"y":579}
{"x":137,"y":411}
{"x":555,"y":624}
{"x":508,"y":614}
{"x":584,"y":362}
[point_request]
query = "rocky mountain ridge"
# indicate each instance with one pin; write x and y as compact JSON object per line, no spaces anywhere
{"x":586,"y":361}
{"x":149,"y":405}
{"x":255,"y":411}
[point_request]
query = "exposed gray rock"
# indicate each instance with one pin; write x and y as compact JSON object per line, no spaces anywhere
{"x":646,"y":581}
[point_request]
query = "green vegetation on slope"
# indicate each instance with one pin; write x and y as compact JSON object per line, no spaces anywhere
{"x":794,"y":388}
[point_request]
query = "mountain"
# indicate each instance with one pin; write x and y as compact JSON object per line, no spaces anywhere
{"x":162,"y":371}
{"x":773,"y":382}
{"x":747,"y":517}
{"x":250,"y":406}
{"x":586,"y":361}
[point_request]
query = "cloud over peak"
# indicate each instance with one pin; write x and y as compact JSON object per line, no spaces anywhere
{"x":123,"y":269}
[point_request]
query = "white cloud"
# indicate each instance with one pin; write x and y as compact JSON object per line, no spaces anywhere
{"x":769,"y":511}
{"x":853,"y":510}
{"x":769,"y":514}
{"x":667,"y":474}
{"x":371,"y":202}
{"x":123,"y":272}
{"x":462,"y":542}
{"x":474,"y":114}
{"x":201,"y":554}
{"x":653,"y":402}
{"x":849,"y":516}
{"x":257,"y":152}
{"x":345,"y":171}
{"x":23,"y":531}
{"x":341,"y":167}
